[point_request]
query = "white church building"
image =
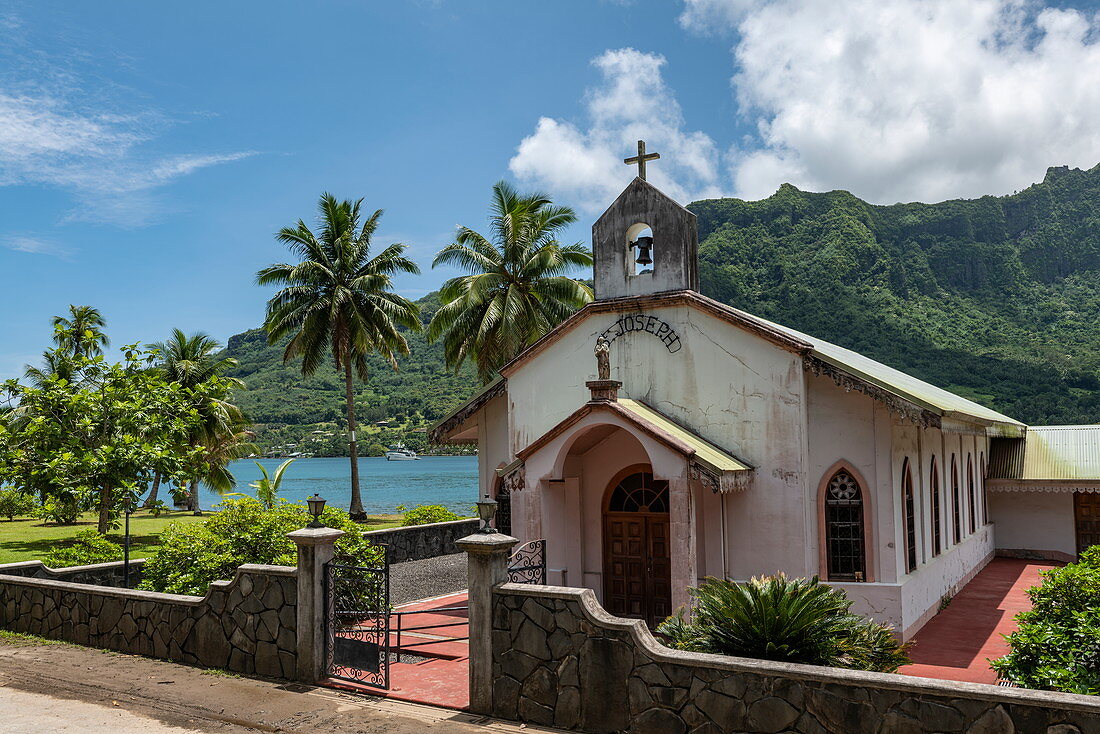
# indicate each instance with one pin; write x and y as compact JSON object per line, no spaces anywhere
{"x":721,"y":444}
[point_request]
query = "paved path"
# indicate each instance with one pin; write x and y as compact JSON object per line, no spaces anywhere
{"x":958,"y":643}
{"x":46,"y":688}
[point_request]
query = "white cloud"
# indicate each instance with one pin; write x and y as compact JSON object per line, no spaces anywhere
{"x":585,"y":164}
{"x":713,"y":16}
{"x":35,"y":246}
{"x":899,"y":100}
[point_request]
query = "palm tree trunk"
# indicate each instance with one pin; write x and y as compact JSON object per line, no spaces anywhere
{"x":104,"y":510}
{"x":356,"y":509}
{"x":151,"y":500}
{"x":193,"y":498}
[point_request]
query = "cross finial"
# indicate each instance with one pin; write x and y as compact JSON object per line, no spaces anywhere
{"x":641,"y":158}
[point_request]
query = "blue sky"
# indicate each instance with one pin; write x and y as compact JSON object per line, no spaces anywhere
{"x":148,"y":152}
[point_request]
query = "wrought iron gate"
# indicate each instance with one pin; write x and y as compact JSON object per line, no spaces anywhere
{"x":357,"y":621}
{"x":527,"y":565}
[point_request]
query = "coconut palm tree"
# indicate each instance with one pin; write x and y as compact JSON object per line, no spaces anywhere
{"x":191,"y":361}
{"x":338,"y":302}
{"x":80,"y":334}
{"x":517,"y":288}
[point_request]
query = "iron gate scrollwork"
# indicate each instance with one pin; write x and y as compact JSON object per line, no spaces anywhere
{"x":527,"y":565}
{"x":357,"y":620}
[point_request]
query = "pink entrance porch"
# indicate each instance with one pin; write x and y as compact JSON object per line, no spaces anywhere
{"x":958,"y":643}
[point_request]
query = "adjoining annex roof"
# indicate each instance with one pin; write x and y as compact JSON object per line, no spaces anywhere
{"x":1057,"y":454}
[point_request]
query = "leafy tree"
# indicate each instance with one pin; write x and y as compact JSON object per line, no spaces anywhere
{"x":517,"y":288}
{"x":96,"y":441}
{"x":789,"y":620}
{"x":1056,"y":646}
{"x":338,"y":300}
{"x":192,"y":556}
{"x":14,"y":503}
{"x":191,"y":361}
{"x":267,"y":489}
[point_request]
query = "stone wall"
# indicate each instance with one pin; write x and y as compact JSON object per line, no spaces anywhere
{"x":100,"y":574}
{"x":559,"y":659}
{"x":247,"y":625}
{"x":417,"y":542}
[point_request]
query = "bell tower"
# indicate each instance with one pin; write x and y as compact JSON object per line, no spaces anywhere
{"x":645,"y":242}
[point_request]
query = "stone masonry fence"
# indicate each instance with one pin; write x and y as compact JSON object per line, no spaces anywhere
{"x":553,"y":656}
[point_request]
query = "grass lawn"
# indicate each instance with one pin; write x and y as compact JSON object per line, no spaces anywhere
{"x":30,"y":539}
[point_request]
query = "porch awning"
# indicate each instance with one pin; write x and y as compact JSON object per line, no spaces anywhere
{"x":706,"y":454}
{"x":1047,"y":459}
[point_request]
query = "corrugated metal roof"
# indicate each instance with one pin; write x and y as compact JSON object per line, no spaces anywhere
{"x":705,"y":452}
{"x":895,"y":381}
{"x":1062,"y":452}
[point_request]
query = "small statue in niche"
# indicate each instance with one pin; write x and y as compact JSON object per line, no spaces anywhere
{"x":603,"y":358}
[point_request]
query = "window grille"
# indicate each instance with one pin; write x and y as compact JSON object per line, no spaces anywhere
{"x":639,"y":493}
{"x":844,"y":542}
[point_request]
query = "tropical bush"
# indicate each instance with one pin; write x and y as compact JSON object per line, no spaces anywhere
{"x":789,"y":620}
{"x":60,"y":510}
{"x":425,"y":514}
{"x":14,"y":503}
{"x":1057,"y":644}
{"x":243,"y":531}
{"x":87,"y":547}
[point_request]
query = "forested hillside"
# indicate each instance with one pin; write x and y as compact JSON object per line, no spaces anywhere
{"x":289,"y":408}
{"x":996,"y":298}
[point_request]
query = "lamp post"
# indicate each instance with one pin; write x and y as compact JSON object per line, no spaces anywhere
{"x":487,"y":510}
{"x":316,"y":505}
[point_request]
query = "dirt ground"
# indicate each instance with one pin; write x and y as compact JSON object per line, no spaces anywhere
{"x":60,"y":687}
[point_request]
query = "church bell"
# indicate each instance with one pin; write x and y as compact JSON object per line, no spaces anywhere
{"x":645,"y":248}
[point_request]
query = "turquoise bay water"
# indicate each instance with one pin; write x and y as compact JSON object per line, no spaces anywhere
{"x":450,"y":481}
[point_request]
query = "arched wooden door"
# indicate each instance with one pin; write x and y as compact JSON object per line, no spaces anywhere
{"x":636,"y":548}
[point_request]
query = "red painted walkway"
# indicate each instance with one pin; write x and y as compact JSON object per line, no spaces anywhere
{"x":958,"y":643}
{"x":444,"y":678}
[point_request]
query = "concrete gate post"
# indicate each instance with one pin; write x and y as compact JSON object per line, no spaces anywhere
{"x":315,"y":549}
{"x":487,"y":556}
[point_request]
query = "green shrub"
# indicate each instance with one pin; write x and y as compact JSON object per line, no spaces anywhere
{"x":424,"y":514}
{"x":1057,"y":644}
{"x":86,"y":547}
{"x":789,"y":620}
{"x":60,"y":511}
{"x":14,"y":503}
{"x":375,"y":450}
{"x":191,"y":556}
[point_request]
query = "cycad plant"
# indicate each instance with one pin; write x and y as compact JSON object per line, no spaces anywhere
{"x":338,"y":301}
{"x":789,"y":620}
{"x":517,"y":288}
{"x":267,"y":488}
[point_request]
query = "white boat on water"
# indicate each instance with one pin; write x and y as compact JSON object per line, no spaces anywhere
{"x":401,"y":453}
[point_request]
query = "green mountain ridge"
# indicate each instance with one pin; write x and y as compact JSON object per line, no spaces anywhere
{"x":996,"y":299}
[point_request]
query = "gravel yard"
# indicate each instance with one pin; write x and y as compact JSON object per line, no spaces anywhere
{"x":413,"y":580}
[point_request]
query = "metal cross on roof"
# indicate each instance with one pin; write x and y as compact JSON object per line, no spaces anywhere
{"x":641,"y":158}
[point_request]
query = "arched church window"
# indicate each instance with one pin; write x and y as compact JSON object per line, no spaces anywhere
{"x":970,"y":492}
{"x":956,"y":512}
{"x":937,"y":519}
{"x":640,"y":240}
{"x":909,"y":509}
{"x":639,"y":492}
{"x":844,"y":542}
{"x":981,"y":490}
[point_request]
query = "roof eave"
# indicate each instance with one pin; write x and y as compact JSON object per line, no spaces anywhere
{"x":442,"y":430}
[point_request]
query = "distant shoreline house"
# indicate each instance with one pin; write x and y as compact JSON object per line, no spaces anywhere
{"x":721,"y":444}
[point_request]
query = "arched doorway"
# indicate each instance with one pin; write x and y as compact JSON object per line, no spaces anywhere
{"x":636,"y":547}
